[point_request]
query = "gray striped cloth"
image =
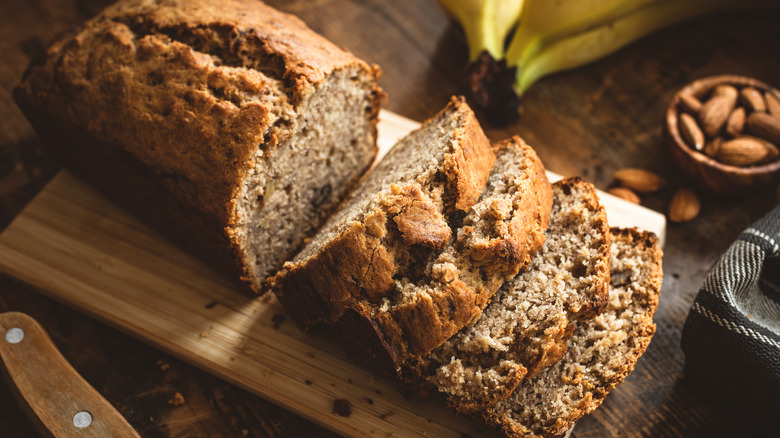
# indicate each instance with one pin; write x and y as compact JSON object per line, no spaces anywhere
{"x":731,"y":338}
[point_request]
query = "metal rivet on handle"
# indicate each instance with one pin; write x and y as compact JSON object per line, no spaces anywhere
{"x":82,"y":419}
{"x":14,"y":335}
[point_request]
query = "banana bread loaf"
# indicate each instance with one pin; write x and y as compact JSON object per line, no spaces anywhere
{"x":525,"y":327}
{"x":230,"y":126}
{"x":601,"y":352}
{"x":416,"y":254}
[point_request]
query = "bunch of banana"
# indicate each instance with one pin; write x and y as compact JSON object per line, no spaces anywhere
{"x":554,"y":35}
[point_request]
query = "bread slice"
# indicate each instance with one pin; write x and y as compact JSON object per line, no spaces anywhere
{"x":231,"y":127}
{"x":525,"y":327}
{"x":601,"y":352}
{"x":402,"y":266}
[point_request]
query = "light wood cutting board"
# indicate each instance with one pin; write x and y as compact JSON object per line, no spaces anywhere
{"x":79,"y":248}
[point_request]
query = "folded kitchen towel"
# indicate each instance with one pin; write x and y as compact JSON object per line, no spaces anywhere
{"x":731,"y":338}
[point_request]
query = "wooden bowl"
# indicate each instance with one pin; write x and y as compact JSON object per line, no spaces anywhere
{"x":706,"y":172}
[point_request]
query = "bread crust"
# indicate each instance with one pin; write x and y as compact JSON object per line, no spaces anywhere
{"x":360,"y":263}
{"x":535,"y":343}
{"x":327,"y":288}
{"x":518,"y":227}
{"x":135,"y":103}
{"x":468,"y":168}
{"x":596,"y":388}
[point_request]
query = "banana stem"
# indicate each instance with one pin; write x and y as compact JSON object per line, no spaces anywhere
{"x":490,"y":89}
{"x":486,"y":24}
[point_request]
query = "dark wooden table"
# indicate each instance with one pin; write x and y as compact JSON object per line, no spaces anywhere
{"x":591,"y":122}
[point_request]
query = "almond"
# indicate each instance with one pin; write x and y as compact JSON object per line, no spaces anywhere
{"x":743,"y":151}
{"x":765,"y":126}
{"x":736,"y":122}
{"x":752,"y":99}
{"x":726,"y":90}
{"x":691,"y":132}
{"x":772,"y":104}
{"x":690,"y":104}
{"x":639,"y":180}
{"x":625,"y":194}
{"x":773,"y":153}
{"x":715,"y":112}
{"x":684,"y":206}
{"x":712,"y":147}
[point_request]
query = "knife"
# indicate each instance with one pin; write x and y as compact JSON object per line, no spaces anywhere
{"x":59,"y":402}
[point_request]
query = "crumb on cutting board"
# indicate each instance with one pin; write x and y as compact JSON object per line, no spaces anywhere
{"x":342,"y":407}
{"x":277,"y":320}
{"x":177,"y":400}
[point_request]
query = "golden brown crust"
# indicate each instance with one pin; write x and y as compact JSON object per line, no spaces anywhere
{"x":519,"y":223}
{"x":498,"y":352}
{"x":192,"y":141}
{"x":435,"y":293}
{"x":551,"y":352}
{"x":430,"y":319}
{"x":370,"y":246}
{"x":303,"y":56}
{"x":356,"y":265}
{"x":468,"y":167}
{"x":417,"y":217}
{"x":515,"y":232}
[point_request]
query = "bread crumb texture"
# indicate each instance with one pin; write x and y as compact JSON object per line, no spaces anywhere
{"x":225,"y":120}
{"x":601,"y":352}
{"x":424,"y":242}
{"x":526,"y":326}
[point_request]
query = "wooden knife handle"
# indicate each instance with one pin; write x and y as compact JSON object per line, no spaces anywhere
{"x":56,"y":398}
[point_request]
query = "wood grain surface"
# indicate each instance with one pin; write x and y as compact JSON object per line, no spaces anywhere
{"x":591,"y":121}
{"x":82,"y":250}
{"x":47,"y":387}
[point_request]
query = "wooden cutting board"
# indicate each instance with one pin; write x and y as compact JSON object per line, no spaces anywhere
{"x":79,"y":248}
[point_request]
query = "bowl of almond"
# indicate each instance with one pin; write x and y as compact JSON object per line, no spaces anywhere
{"x":724,"y":132}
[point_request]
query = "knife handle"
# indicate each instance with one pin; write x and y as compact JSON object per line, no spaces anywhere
{"x":57,"y":399}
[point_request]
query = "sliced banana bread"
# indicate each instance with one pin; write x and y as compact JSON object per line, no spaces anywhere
{"x":230,"y":126}
{"x":525,"y":327}
{"x":601,"y":352}
{"x":413,"y":257}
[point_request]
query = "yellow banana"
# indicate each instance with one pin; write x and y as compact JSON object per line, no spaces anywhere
{"x":486,"y":23}
{"x":558,"y":48}
{"x":554,"y":35}
{"x":546,"y":21}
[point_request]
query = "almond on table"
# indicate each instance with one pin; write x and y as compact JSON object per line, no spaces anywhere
{"x":625,"y":194}
{"x":684,"y":206}
{"x":639,"y":180}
